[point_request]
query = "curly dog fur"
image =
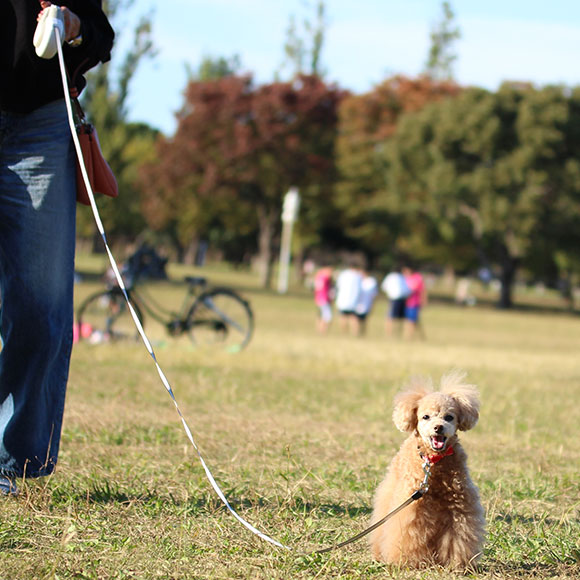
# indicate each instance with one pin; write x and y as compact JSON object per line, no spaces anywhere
{"x":446,"y":526}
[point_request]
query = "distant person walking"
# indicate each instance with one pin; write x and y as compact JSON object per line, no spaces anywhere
{"x":348,"y":285}
{"x":395,"y":287}
{"x":366,"y":298}
{"x":415,"y":302}
{"x":323,"y":292}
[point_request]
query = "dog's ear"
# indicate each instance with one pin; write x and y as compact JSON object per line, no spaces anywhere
{"x":407,"y":403}
{"x":466,"y":396}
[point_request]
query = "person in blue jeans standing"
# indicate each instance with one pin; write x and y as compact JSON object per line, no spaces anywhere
{"x":37,"y":229}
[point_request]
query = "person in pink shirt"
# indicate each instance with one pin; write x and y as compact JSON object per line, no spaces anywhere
{"x":415,"y":301}
{"x":323,"y":293}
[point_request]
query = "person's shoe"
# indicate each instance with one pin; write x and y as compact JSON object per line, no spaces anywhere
{"x":7,"y":486}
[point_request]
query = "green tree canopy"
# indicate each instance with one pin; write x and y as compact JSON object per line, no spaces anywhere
{"x":366,"y":123}
{"x":501,"y":162}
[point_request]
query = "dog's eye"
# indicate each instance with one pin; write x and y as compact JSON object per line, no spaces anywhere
{"x":448,"y":418}
{"x":425,"y":417}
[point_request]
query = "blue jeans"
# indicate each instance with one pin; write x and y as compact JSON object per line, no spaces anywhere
{"x":37,"y":239}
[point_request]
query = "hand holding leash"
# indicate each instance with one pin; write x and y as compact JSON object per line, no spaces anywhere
{"x":45,"y":39}
{"x":50,"y":18}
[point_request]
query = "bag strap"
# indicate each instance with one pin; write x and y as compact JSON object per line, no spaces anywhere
{"x":79,"y":114}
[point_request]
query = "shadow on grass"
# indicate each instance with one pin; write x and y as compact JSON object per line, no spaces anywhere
{"x":498,"y":569}
{"x":492,"y":304}
{"x":106,"y":492}
{"x":519,"y":519}
{"x":98,"y":493}
{"x":538,"y":306}
{"x":327,"y":509}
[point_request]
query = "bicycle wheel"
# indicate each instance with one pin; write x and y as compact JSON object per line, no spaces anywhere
{"x":220,"y":318}
{"x":105,"y":317}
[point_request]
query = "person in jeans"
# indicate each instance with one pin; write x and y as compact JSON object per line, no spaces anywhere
{"x":37,"y":229}
{"x":397,"y":291}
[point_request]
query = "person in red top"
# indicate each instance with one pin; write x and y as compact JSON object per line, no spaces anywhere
{"x":323,"y":298}
{"x":415,"y":301}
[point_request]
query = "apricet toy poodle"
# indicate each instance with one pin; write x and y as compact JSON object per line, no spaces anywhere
{"x":446,"y":525}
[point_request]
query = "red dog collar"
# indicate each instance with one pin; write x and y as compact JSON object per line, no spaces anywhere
{"x":433,"y":459}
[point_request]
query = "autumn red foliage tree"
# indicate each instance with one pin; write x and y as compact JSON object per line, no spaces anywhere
{"x":237,"y":150}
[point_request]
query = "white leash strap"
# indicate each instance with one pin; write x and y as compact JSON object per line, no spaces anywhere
{"x":119,"y":278}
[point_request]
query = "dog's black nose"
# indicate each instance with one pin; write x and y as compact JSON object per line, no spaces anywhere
{"x":439,"y":429}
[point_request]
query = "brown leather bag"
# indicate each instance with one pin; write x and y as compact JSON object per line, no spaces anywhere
{"x":100,"y":175}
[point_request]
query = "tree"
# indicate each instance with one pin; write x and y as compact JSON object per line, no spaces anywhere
{"x":237,"y":150}
{"x":125,"y":145}
{"x":441,"y":56}
{"x":554,"y":256}
{"x":366,"y":122}
{"x":499,"y":162}
{"x":213,"y":68}
{"x":303,"y":47}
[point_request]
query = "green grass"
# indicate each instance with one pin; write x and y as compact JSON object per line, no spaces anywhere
{"x":297,"y":431}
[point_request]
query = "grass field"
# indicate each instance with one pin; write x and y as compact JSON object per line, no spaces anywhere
{"x":297,"y":430}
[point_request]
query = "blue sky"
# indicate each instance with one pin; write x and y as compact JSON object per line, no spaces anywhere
{"x":366,"y":41}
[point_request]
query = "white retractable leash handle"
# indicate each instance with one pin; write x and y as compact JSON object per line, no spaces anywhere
{"x":45,"y":40}
{"x":49,"y":35}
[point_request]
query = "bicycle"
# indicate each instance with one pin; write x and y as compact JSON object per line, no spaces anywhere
{"x":211,"y":316}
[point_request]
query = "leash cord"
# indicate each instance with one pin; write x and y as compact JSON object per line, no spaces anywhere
{"x":136,"y":320}
{"x":416,"y":495}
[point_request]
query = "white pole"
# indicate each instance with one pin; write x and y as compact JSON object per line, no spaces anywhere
{"x":289,"y":215}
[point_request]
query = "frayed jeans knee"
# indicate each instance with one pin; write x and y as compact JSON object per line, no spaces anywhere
{"x":37,"y":239}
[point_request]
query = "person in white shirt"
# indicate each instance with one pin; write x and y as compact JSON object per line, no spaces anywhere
{"x":397,"y":291}
{"x":366,"y":298}
{"x":348,"y":285}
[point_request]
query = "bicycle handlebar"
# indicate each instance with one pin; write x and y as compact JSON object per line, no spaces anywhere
{"x":196,"y":281}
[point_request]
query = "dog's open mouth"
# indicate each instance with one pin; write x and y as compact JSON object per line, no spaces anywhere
{"x":438,"y":442}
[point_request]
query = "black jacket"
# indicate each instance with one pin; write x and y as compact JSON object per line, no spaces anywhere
{"x":27,"y":81}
